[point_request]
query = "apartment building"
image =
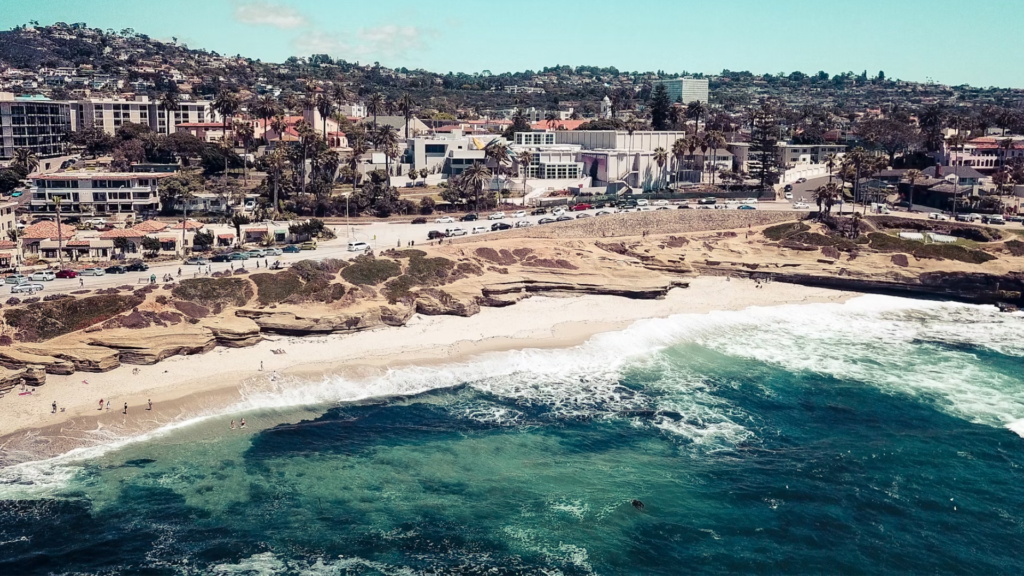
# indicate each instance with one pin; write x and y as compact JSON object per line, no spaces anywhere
{"x":87,"y":192}
{"x":111,"y":113}
{"x":685,"y":90}
{"x":35,"y":123}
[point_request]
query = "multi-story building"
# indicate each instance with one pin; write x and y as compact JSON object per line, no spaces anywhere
{"x":37,"y":124}
{"x":84,"y":192}
{"x":110,"y":114}
{"x":685,"y":90}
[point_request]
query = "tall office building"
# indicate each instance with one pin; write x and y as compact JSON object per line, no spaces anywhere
{"x":685,"y":90}
{"x":35,"y":123}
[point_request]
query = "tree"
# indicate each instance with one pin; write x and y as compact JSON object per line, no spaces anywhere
{"x":202,"y":240}
{"x":9,"y":180}
{"x":375,"y":105}
{"x":891,"y":135}
{"x":695,"y":110}
{"x":245,"y":132}
{"x":151,"y":244}
{"x":169,"y":104}
{"x":178,"y":187}
{"x":93,"y":139}
{"x":831,"y":161}
{"x":660,"y":106}
{"x":25,"y":158}
{"x":552,"y":119}
{"x":405,"y":104}
{"x":57,"y":201}
{"x":912,"y":176}
{"x":239,"y":220}
{"x":715,"y":140}
{"x":825,"y":196}
{"x":678,"y":153}
{"x":275,"y":164}
{"x":858,"y":159}
{"x":764,"y":138}
{"x":325,"y":106}
{"x":497,"y":151}
{"x":227,"y":104}
{"x":519,"y":124}
{"x":525,"y":160}
{"x":279,"y":125}
{"x":121,"y":244}
{"x":307,"y":140}
{"x":660,"y":156}
{"x":474,"y":178}
{"x":265,"y":108}
{"x":386,"y":140}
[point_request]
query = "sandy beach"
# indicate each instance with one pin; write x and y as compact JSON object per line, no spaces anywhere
{"x":186,"y":387}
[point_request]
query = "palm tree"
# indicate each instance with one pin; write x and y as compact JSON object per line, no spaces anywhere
{"x":831,"y":160}
{"x":855,"y":221}
{"x":525,"y":159}
{"x":307,"y":135}
{"x":660,"y":158}
{"x":678,"y":152}
{"x":1006,"y":145}
{"x":695,"y":110}
{"x":386,"y":140}
{"x":552,"y":119}
{"x":226,"y":104}
{"x":324,"y":105}
{"x":279,"y":125}
{"x":57,"y":200}
{"x":376,"y":104}
{"x":276,"y":162}
{"x":265,"y":108}
{"x":497,"y":152}
{"x":692,"y":143}
{"x":245,"y":133}
{"x":405,"y":104}
{"x":912,"y":176}
{"x":703,"y":143}
{"x":475,"y":176}
{"x":169,"y":104}
{"x":715,"y":140}
{"x":25,"y":158}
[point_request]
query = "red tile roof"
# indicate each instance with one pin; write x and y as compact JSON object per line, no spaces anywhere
{"x":7,"y":244}
{"x":559,"y":125}
{"x":78,"y":243}
{"x":190,"y":225}
{"x":225,"y":236}
{"x":48,"y":230}
{"x":122,"y":233}
{"x":150,"y":226}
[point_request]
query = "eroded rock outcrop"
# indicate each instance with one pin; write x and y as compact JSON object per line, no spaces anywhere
{"x":151,"y":345}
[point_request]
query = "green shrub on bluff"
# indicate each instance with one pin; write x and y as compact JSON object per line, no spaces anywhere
{"x":46,"y":320}
{"x":211,"y":291}
{"x":370,"y":271}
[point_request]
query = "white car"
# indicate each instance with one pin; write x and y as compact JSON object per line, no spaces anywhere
{"x":42,"y":275}
{"x":789,"y":195}
{"x":659,"y":203}
{"x":937,"y":216}
{"x":26,"y":288}
{"x":444,"y":220}
{"x":497,"y":216}
{"x":524,"y":224}
{"x":519,"y":214}
{"x":96,"y":221}
{"x":480,"y":229}
{"x":643,"y":202}
{"x":558,"y":212}
{"x":273,"y":252}
{"x":800,"y":206}
{"x":454,"y":232}
{"x":749,"y":201}
{"x":357,"y":246}
{"x":92,"y":272}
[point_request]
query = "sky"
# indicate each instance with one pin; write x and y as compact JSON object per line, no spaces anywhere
{"x":946,"y":41}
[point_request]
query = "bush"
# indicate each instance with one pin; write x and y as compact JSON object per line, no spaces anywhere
{"x":368,"y":270}
{"x":885,"y":243}
{"x":1016,"y":247}
{"x":274,"y":288}
{"x":45,"y":320}
{"x":780,"y":231}
{"x":953,"y":252}
{"x":211,"y":291}
{"x":399,"y":288}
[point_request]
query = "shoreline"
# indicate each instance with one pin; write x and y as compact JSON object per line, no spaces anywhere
{"x":188,"y":387}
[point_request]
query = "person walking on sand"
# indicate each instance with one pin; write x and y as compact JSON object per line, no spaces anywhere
{"x":126,"y":408}
{"x":81,"y":282}
{"x":261,"y":365}
{"x":101,"y":403}
{"x":54,"y":411}
{"x":150,"y":405}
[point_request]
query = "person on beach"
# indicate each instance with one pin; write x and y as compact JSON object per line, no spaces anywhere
{"x":81,"y":282}
{"x":179,"y":272}
{"x":126,"y":408}
{"x":54,"y":411}
{"x":101,"y":403}
{"x":261,"y":365}
{"x":243,"y":423}
{"x":150,"y":405}
{"x":232,"y":424}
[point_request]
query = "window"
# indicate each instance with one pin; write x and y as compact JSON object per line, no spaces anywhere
{"x":435,"y":149}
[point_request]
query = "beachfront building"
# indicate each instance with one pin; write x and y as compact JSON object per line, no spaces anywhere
{"x":685,"y":90}
{"x":35,"y":123}
{"x":112,"y":113}
{"x":86,"y":192}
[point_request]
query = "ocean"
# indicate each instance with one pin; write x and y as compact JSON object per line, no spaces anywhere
{"x":882,"y":435}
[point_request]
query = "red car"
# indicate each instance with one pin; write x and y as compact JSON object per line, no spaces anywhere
{"x":66,"y":274}
{"x":579,"y":207}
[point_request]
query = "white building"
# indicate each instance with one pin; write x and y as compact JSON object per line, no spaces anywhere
{"x":87,"y":192}
{"x":38,"y":124}
{"x":111,"y":113}
{"x":685,"y":90}
{"x":353,"y":110}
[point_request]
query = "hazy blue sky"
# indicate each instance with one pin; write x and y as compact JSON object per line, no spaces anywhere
{"x":947,"y":41}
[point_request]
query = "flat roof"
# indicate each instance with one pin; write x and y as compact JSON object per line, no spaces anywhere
{"x":84,"y":175}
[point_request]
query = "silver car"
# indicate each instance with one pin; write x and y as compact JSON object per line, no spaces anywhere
{"x":92,"y":272}
{"x":274,"y":252}
{"x":26,"y":287}
{"x":42,"y":275}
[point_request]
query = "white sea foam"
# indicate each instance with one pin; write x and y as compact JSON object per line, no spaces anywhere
{"x":869,"y":339}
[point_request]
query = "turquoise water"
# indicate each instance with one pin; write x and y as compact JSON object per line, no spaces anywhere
{"x":878,"y":436}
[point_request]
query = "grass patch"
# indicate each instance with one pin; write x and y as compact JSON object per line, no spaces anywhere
{"x":953,"y":252}
{"x":368,"y":270}
{"x":887,"y":243}
{"x":399,"y":288}
{"x":780,"y":231}
{"x":1016,"y":247}
{"x":212,"y":291}
{"x":290,"y":287}
{"x":45,"y":320}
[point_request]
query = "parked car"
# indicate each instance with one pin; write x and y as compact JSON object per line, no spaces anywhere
{"x":308,"y":245}
{"x":116,"y":269}
{"x":138,"y":267}
{"x":709,"y":201}
{"x":357,"y":246}
{"x":500,"y":226}
{"x":801,"y":180}
{"x":580,"y":206}
{"x":749,"y":201}
{"x":257,"y":253}
{"x":68,"y":273}
{"x":563,"y":218}
{"x":496,"y":216}
{"x":602,"y":213}
{"x":26,"y":287}
{"x":800,"y":206}
{"x":42,"y":276}
{"x":454,"y":232}
{"x":937,"y":216}
{"x":239,"y":256}
{"x":788,"y":188}
{"x":1015,"y":218}
{"x":196,"y":261}
{"x":524,"y":224}
{"x":545,"y":221}
{"x":643,"y":202}
{"x":273,"y":252}
{"x":16,"y":194}
{"x":578,"y":216}
{"x":419,"y":220}
{"x":746,"y":207}
{"x":469,"y":218}
{"x":993,"y":219}
{"x":519,"y":214}
{"x":789,"y":195}
{"x":16,"y":279}
{"x":292,"y":249}
{"x":444,"y":220}
{"x":661,"y":203}
{"x":92,"y":272}
{"x":221,"y":258}
{"x":539,"y":211}
{"x":685,"y":207}
{"x":967,"y":217}
{"x":480,"y":229}
{"x":435,"y":234}
{"x":95,"y":221}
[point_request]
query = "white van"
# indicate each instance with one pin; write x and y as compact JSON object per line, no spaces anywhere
{"x":356,"y":246}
